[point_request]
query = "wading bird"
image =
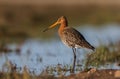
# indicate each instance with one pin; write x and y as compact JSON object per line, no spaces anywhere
{"x":70,"y":37}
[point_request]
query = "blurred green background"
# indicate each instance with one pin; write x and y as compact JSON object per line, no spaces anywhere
{"x":21,"y":19}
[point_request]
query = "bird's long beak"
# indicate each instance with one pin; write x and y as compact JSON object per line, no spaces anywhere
{"x":53,"y":25}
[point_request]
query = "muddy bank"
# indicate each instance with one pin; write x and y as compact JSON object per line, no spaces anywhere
{"x":97,"y":74}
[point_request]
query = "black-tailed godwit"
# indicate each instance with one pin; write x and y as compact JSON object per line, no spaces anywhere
{"x":70,"y":37}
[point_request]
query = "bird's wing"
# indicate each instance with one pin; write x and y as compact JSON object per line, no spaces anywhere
{"x":74,"y":37}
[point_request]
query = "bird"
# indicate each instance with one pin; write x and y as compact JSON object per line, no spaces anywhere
{"x":70,"y":37}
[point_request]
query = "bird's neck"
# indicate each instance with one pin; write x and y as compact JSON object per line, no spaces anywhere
{"x":62,"y":26}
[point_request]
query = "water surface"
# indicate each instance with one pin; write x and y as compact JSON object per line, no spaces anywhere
{"x":37,"y":54}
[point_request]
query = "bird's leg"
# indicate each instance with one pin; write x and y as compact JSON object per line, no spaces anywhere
{"x":74,"y":52}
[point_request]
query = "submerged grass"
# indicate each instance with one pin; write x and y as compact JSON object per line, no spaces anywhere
{"x":104,"y":55}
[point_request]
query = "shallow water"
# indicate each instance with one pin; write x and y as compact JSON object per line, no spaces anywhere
{"x":37,"y":54}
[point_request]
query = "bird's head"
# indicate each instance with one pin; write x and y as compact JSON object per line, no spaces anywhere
{"x":60,"y":20}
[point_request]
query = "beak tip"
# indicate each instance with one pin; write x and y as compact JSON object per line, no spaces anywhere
{"x":45,"y":30}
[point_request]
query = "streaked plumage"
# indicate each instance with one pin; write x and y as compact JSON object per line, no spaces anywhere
{"x":72,"y":38}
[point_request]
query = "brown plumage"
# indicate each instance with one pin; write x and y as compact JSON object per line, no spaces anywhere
{"x":74,"y":39}
{"x":70,"y":37}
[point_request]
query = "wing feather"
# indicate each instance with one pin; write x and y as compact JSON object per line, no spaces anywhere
{"x":74,"y":38}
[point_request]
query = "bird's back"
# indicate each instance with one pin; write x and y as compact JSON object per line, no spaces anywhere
{"x":73,"y":38}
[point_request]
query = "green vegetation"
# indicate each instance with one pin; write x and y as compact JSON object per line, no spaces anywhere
{"x":29,"y":21}
{"x":103,"y":56}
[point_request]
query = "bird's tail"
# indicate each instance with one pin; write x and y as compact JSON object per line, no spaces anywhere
{"x":93,"y":48}
{"x":89,"y":46}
